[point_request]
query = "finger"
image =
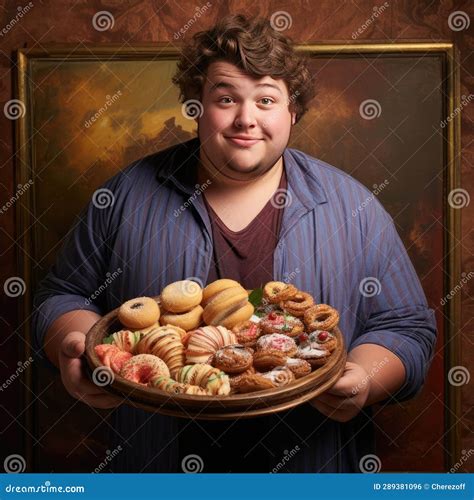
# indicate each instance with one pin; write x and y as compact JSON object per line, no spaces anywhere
{"x":73,"y":377}
{"x":73,"y":345}
{"x":337,"y":402}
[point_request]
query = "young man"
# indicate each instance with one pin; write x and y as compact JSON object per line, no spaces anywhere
{"x":252,"y":88}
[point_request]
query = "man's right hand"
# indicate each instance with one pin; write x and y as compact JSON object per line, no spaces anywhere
{"x":74,"y":378}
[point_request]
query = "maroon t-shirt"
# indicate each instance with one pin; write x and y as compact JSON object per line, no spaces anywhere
{"x":247,"y":255}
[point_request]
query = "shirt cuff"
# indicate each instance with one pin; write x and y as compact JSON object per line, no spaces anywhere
{"x":46,"y":314}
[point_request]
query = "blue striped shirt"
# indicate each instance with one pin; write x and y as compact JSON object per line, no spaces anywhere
{"x":336,"y":241}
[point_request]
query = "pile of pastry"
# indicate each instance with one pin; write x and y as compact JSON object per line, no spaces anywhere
{"x":220,"y":340}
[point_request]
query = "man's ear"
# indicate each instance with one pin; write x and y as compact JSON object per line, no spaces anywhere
{"x":293,"y":118}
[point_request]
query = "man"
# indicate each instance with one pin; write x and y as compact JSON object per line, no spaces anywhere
{"x":250,"y":88}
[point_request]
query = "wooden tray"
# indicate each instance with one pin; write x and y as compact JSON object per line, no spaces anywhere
{"x":215,"y":407}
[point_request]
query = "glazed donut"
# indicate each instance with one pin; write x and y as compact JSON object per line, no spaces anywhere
{"x":233,"y":359}
{"x":126,"y":340}
{"x":181,"y":296}
{"x":280,"y":376}
{"x":298,"y":304}
{"x":227,"y":307}
{"x":164,"y":342}
{"x":268,"y":359}
{"x":299,"y":367}
{"x":186,"y":321}
{"x":282,"y":323}
{"x":247,"y":333}
{"x":276,"y":291}
{"x":138,"y":313}
{"x":111,"y":356}
{"x":142,"y":368}
{"x":278,"y":342}
{"x":321,"y":317}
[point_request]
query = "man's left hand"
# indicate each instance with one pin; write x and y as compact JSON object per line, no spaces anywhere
{"x":347,"y":396}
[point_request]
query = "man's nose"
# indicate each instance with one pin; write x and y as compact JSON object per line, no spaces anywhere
{"x":245,"y":117}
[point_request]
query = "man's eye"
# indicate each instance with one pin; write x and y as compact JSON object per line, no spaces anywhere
{"x":225,"y":100}
{"x":266,"y":100}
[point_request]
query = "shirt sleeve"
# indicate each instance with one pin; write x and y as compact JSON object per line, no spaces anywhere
{"x":79,"y":270}
{"x":399,"y":318}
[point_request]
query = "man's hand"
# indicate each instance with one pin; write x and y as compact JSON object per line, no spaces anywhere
{"x":347,"y":396}
{"x":75,"y":381}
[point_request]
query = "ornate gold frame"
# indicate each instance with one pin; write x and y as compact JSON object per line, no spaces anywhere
{"x":447,"y":51}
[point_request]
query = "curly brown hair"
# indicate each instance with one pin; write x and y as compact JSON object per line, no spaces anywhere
{"x":254,"y":47}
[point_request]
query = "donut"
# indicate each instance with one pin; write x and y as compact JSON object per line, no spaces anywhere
{"x":324,"y":339}
{"x":298,"y":304}
{"x":226,"y":304}
{"x":268,"y":359}
{"x":111,"y":356}
{"x":321,"y":317}
{"x":186,"y":321}
{"x":247,"y":332}
{"x":138,"y":313}
{"x":276,"y":291}
{"x":279,"y":342}
{"x":315,"y":356}
{"x":201,"y":344}
{"x":142,"y":368}
{"x":280,"y":376}
{"x":126,"y":340}
{"x":299,"y":367}
{"x":181,"y":296}
{"x":233,"y":359}
{"x":215,"y":381}
{"x":164,"y":342}
{"x":282,"y":323}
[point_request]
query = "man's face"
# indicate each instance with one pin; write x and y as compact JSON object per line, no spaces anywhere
{"x":246,"y":122}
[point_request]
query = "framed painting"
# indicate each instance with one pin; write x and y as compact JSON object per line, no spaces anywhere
{"x":384,"y":113}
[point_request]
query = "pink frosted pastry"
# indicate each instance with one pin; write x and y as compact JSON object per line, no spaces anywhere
{"x":278,"y":342}
{"x":143,"y":368}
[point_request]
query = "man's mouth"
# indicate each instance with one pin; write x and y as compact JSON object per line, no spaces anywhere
{"x":243,"y":141}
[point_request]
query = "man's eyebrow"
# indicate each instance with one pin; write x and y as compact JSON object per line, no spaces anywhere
{"x":228,"y":85}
